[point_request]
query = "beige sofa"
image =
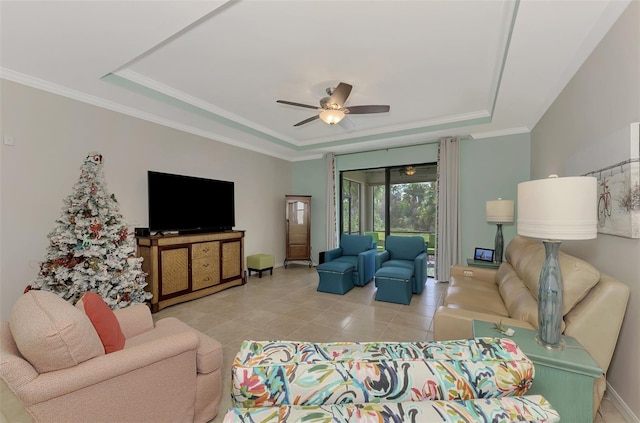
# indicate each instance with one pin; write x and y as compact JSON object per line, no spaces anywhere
{"x":593,"y":303}
{"x":167,"y":372}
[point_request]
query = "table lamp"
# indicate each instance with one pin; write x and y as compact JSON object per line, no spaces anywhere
{"x":499,"y":211}
{"x":553,"y":210}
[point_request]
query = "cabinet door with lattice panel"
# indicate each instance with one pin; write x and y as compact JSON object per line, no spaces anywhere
{"x":231,"y":259}
{"x":205,"y":264}
{"x":175,"y":271}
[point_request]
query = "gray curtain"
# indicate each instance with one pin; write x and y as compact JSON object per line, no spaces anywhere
{"x":449,"y":245}
{"x":332,"y":237}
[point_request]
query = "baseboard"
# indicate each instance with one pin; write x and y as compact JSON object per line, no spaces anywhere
{"x":622,"y":407}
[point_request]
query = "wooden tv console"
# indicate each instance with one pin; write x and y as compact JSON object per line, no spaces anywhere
{"x":184,"y":267}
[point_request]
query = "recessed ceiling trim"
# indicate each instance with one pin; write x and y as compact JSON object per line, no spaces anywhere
{"x":512,"y":14}
{"x":139,"y":83}
{"x":220,"y":7}
{"x":401,"y":133}
{"x":423,"y":126}
{"x":157,"y":95}
{"x":500,"y":133}
{"x":180,"y":96}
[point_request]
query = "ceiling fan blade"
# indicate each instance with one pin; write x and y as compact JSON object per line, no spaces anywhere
{"x":341,"y":93}
{"x":360,"y":110}
{"x":311,"y":119}
{"x":347,"y":124}
{"x":291,"y":103}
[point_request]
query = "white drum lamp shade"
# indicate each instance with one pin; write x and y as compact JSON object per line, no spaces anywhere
{"x":558,"y":208}
{"x":500,"y":211}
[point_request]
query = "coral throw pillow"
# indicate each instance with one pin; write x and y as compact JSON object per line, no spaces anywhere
{"x":103,"y":320}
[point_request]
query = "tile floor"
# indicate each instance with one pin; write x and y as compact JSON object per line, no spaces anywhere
{"x":287,"y":306}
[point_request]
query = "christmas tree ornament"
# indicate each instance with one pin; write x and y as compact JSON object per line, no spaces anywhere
{"x":91,"y":248}
{"x":95,"y":228}
{"x":94,"y":263}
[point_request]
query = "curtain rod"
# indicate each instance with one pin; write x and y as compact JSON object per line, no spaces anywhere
{"x":461,"y":138}
{"x":388,"y":148}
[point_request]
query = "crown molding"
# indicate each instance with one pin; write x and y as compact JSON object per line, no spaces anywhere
{"x":63,"y":91}
{"x":500,"y":133}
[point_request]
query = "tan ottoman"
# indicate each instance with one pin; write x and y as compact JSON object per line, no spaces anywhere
{"x":260,"y":263}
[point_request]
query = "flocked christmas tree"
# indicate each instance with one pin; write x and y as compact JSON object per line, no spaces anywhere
{"x":91,"y":248}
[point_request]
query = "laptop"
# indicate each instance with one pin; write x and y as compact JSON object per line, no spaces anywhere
{"x":482,"y":256}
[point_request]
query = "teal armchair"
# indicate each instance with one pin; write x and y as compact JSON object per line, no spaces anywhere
{"x":409,"y":252}
{"x":359,"y":251}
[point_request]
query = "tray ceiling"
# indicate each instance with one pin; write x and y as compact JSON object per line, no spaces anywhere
{"x":214,"y":68}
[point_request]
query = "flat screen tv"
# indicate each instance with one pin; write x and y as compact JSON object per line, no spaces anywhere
{"x":189,"y":204}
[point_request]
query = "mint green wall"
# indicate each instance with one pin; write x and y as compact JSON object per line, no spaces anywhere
{"x":490,"y":168}
{"x":309,"y":178}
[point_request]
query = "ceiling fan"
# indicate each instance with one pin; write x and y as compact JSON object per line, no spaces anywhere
{"x":332,"y":109}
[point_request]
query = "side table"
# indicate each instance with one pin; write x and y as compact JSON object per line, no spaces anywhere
{"x":487,"y":264}
{"x":564,"y":377}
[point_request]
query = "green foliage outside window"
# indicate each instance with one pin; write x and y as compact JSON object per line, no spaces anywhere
{"x":412,"y":207}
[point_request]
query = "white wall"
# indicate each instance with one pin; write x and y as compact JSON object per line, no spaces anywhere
{"x":53,"y":135}
{"x":586,"y":125}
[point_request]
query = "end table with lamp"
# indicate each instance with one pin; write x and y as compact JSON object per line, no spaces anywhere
{"x":563,"y":376}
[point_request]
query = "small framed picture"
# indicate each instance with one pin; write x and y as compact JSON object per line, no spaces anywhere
{"x":483,"y":254}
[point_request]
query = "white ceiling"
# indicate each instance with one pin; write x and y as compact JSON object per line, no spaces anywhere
{"x":216,"y":68}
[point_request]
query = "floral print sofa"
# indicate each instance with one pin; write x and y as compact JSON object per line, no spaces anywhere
{"x":480,"y":379}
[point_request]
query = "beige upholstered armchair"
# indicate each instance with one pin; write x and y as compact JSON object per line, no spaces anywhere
{"x":54,"y":361}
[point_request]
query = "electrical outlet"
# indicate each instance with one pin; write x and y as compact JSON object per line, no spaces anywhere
{"x":9,"y":140}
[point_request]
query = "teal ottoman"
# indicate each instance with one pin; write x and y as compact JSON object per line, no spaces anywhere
{"x":260,"y":263}
{"x":335,"y":277}
{"x":394,"y":285}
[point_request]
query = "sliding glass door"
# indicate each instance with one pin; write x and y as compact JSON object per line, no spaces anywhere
{"x":400,"y":200}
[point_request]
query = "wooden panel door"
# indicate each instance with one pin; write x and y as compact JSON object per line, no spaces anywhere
{"x":298,"y":215}
{"x":231,"y":260}
{"x":174,"y":276}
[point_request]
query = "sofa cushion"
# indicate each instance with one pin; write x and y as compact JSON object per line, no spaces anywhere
{"x":517,"y":298}
{"x":51,"y":333}
{"x":527,"y":408}
{"x":302,"y":373}
{"x":578,"y":277}
{"x":405,"y":264}
{"x":352,"y":260}
{"x":478,"y":300}
{"x":103,"y":320}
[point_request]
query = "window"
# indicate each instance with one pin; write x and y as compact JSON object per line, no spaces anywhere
{"x":351,"y":206}
{"x":379,"y":208}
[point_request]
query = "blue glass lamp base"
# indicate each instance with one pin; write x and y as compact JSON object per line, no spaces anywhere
{"x":499,"y":243}
{"x":550,"y":298}
{"x":561,"y":345}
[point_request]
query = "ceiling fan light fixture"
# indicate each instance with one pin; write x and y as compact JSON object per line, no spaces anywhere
{"x":331,"y":116}
{"x":410,"y":170}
